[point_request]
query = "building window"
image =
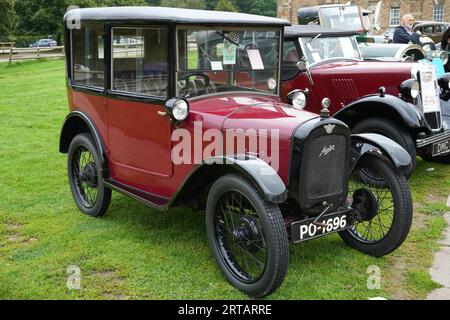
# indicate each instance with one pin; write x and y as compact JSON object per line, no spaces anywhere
{"x":395,"y":17}
{"x":438,"y":12}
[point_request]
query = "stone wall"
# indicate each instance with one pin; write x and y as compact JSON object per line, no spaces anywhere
{"x":422,"y":10}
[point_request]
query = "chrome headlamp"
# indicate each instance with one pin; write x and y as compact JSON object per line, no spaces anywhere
{"x":178,"y":109}
{"x":410,"y":88}
{"x":298,"y":99}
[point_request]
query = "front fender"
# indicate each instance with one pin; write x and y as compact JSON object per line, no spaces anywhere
{"x":257,"y":171}
{"x":370,"y":143}
{"x":375,"y":106}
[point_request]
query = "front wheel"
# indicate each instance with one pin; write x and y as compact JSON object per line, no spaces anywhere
{"x":86,"y":178}
{"x":247,"y":235}
{"x":383,"y":213}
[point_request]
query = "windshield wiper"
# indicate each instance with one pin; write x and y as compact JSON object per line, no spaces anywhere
{"x":315,"y":38}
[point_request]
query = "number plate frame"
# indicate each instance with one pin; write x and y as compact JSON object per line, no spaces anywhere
{"x":298,"y":235}
{"x":436,"y":152}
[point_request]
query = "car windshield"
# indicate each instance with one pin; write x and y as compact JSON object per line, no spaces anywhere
{"x":320,"y":49}
{"x":225,"y":60}
{"x":344,"y":17}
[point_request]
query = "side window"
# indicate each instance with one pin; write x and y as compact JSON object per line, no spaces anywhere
{"x":88,"y":67}
{"x":140,"y":61}
{"x":291,"y":56}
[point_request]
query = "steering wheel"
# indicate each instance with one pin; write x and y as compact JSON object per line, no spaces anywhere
{"x":186,"y":88}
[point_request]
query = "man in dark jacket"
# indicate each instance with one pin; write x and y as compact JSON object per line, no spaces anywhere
{"x":404,"y":33}
{"x":445,"y":45}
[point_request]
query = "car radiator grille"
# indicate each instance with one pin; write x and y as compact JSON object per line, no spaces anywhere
{"x":434,"y":120}
{"x":325,"y":160}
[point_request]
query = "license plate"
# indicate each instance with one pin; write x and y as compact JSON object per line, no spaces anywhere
{"x":307,"y":230}
{"x":441,"y":147}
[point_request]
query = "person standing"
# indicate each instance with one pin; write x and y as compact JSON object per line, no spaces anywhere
{"x":445,"y":45}
{"x":404,"y":33}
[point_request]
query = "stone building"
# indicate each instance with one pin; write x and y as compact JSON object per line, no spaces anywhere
{"x":391,"y":13}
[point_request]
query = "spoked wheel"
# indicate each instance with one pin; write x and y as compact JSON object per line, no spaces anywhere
{"x":383,"y":213}
{"x":247,"y":236}
{"x":85,"y":177}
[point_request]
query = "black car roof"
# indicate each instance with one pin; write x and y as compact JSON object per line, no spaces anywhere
{"x":313,"y":30}
{"x":172,"y":15}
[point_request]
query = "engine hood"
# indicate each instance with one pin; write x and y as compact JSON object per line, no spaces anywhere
{"x":249,"y":113}
{"x":348,"y":81}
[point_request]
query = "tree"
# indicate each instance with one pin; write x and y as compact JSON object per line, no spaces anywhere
{"x":44,"y":17}
{"x":8,"y":18}
{"x":225,"y":5}
{"x":191,"y":4}
{"x":264,"y":8}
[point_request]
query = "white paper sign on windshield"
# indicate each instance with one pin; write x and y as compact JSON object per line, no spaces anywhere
{"x":430,"y":97}
{"x":255,"y":59}
{"x":216,"y":65}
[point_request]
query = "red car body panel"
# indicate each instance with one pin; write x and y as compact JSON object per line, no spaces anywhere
{"x":138,"y":139}
{"x":346,"y":81}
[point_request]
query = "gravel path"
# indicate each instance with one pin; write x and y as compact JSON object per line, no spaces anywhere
{"x":440,"y":271}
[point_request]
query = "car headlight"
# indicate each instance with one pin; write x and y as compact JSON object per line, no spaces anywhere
{"x":410,"y":88}
{"x":298,"y":99}
{"x":178,"y":109}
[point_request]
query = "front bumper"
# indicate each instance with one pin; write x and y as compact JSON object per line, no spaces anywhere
{"x":420,"y":143}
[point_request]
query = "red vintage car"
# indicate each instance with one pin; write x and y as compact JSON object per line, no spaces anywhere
{"x":164,"y":113}
{"x":401,"y":100}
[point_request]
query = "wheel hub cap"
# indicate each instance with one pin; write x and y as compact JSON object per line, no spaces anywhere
{"x":366,"y":204}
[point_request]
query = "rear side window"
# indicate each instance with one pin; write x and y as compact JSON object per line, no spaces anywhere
{"x":140,"y":61}
{"x":88,"y":68}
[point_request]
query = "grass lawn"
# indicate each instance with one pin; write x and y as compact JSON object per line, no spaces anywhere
{"x":139,"y":253}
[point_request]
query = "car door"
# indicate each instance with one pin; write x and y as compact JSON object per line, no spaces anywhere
{"x":138,"y":132}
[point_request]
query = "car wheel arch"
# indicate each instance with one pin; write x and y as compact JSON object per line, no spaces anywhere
{"x":393,"y":108}
{"x":78,"y":122}
{"x":205,"y":175}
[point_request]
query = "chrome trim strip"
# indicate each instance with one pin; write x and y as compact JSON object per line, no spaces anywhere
{"x":433,"y":139}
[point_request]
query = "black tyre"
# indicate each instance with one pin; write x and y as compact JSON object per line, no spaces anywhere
{"x":384,"y":214}
{"x":85,"y":177}
{"x":247,"y":236}
{"x":392,"y":130}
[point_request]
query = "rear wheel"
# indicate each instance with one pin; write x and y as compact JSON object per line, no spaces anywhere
{"x":384,"y":213}
{"x":247,"y":235}
{"x":392,"y":130}
{"x":86,"y":178}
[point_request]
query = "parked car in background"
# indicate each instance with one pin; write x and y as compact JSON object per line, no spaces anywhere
{"x":402,"y":101}
{"x":392,"y":52}
{"x":431,"y":29}
{"x":143,"y":121}
{"x":43,"y":43}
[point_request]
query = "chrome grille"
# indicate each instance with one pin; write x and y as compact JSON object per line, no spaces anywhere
{"x":434,"y":120}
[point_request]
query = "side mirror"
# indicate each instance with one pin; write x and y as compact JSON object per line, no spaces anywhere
{"x":377,"y":27}
{"x":301,"y":65}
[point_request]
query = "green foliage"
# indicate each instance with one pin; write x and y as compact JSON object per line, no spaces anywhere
{"x":264,"y":7}
{"x":7,"y":18}
{"x":225,"y":5}
{"x":191,"y":4}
